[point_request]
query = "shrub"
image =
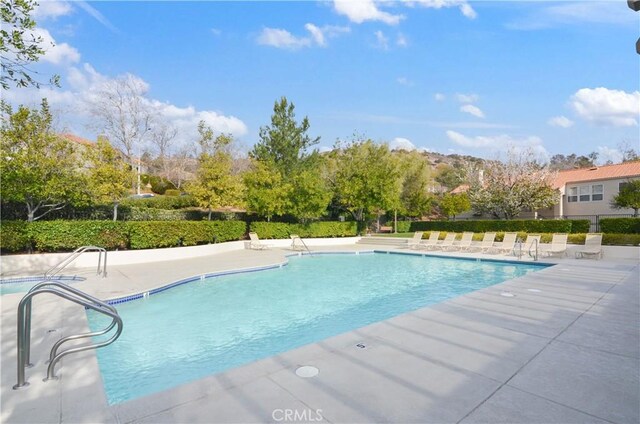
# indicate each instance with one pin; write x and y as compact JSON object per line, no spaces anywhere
{"x":580,"y":225}
{"x":621,"y":239}
{"x":481,"y":226}
{"x":13,"y":236}
{"x":153,"y":234}
{"x":172,"y":192}
{"x":54,"y":236}
{"x":404,"y":226}
{"x":620,"y":225}
{"x":162,"y":202}
{"x":280,"y":230}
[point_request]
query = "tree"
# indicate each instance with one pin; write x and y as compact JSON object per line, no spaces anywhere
{"x":267,"y":193}
{"x":415,"y":200}
{"x":123,"y":113}
{"x":215,"y":186}
{"x":628,"y":197}
{"x":450,"y":177}
{"x":285,"y":144}
{"x":506,"y":189}
{"x":561,"y":162}
{"x":454,"y":204}
{"x":38,"y":168}
{"x":629,"y":154}
{"x":364,"y":178}
{"x":20,"y":45}
{"x":109,"y":176}
{"x":284,"y":149}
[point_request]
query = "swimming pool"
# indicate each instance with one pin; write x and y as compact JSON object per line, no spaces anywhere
{"x":23,"y":284}
{"x":215,"y":324}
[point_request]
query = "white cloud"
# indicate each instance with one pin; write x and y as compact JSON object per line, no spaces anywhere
{"x":575,"y":13}
{"x":401,"y":41}
{"x":560,"y":121}
{"x":464,"y":7}
{"x":606,"y":107}
{"x":400,"y":143}
{"x":56,"y":53}
{"x":97,"y":16}
{"x":283,"y":39}
{"x":404,"y":81}
{"x":467,"y":98}
{"x":472,"y":110}
{"x":216,"y":31}
{"x":51,"y":10}
{"x":360,"y":11}
{"x":382,"y":42}
{"x":84,"y":82}
{"x":500,"y":143}
{"x":607,"y":154}
{"x":439,"y":97}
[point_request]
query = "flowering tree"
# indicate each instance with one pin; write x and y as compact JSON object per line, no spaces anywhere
{"x":505,"y":189}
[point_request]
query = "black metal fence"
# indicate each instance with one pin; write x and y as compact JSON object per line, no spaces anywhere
{"x":595,"y":219}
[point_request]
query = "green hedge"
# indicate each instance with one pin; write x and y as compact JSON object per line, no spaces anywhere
{"x":162,"y":202}
{"x":403,"y":226}
{"x":620,"y":225}
{"x":527,"y":226}
{"x":58,"y":236}
{"x":280,"y":230}
{"x":13,"y":236}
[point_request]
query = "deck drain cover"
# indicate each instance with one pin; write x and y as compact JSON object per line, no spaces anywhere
{"x":507,"y":294}
{"x":534,"y":290}
{"x":307,"y":371}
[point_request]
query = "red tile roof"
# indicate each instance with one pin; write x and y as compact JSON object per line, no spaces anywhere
{"x":76,"y":139}
{"x":606,"y":172}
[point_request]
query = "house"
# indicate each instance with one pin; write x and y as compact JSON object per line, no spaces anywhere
{"x":589,"y":191}
{"x":586,"y":193}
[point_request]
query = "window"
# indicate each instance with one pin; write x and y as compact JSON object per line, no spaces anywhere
{"x":573,"y":194}
{"x":585,"y":194}
{"x":622,"y":185}
{"x":597,"y":192}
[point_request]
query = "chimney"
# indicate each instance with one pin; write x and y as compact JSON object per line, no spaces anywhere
{"x":481,"y":176}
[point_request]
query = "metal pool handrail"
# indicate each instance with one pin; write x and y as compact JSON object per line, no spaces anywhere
{"x":295,"y":237}
{"x":102,"y":265}
{"x":535,"y":253}
{"x":74,"y":295}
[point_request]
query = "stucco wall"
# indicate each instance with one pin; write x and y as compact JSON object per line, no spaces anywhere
{"x":601,"y":207}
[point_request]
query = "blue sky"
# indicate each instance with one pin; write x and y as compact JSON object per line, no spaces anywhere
{"x":464,"y":77}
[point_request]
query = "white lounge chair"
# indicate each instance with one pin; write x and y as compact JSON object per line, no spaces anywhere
{"x":485,"y":244}
{"x":508,"y":242}
{"x":464,"y":243}
{"x":558,"y":245}
{"x":296,"y":242}
{"x":531,"y":244}
{"x":414,"y":243}
{"x":447,"y":242}
{"x":256,"y":244}
{"x":432,"y":241}
{"x":592,"y":246}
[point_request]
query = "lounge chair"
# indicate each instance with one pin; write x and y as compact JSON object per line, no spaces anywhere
{"x":447,"y":242}
{"x":485,"y":244}
{"x":464,"y":243}
{"x":432,"y":241}
{"x":592,"y":246}
{"x":296,"y":242}
{"x":507,"y":245}
{"x":558,"y":245}
{"x":532,"y":245}
{"x":256,"y":244}
{"x":414,"y":243}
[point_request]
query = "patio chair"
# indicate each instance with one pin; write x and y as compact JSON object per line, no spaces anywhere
{"x":507,"y":245}
{"x":414,"y":243}
{"x":296,"y":242}
{"x":256,"y":244}
{"x":592,"y":246}
{"x":446,"y":243}
{"x":485,"y":244}
{"x":432,"y":241}
{"x":558,"y":245}
{"x":532,"y":245}
{"x":464,"y":243}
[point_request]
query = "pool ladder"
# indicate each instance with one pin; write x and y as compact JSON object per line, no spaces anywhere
{"x":102,"y":261}
{"x":294,"y":238}
{"x":76,"y":296}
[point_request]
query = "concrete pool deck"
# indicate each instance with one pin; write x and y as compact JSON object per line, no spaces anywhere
{"x":569,"y":352}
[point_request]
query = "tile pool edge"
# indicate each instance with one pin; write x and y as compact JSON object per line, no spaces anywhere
{"x":466,"y":258}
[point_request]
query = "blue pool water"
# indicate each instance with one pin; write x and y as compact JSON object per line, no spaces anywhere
{"x":212,"y":325}
{"x":23,"y":284}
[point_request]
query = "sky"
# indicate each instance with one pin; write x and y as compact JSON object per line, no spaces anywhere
{"x":450,"y":76}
